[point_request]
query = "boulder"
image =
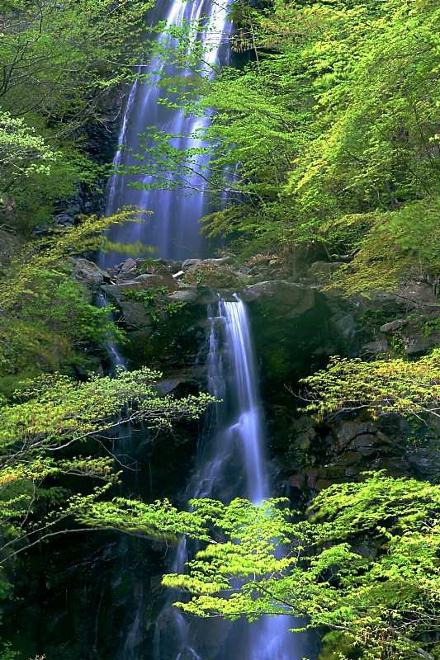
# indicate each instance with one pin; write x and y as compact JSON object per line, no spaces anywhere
{"x":375,"y":347}
{"x":156,"y":280}
{"x":184,"y":295}
{"x":344,"y":325}
{"x":213,"y":273}
{"x":140,"y":283}
{"x":419,"y":343}
{"x":392,"y":326}
{"x":134,"y":314}
{"x":281,"y":294}
{"x":323,"y":269}
{"x":188,"y":263}
{"x":89,"y":273}
{"x":128,"y":266}
{"x":419,"y":294}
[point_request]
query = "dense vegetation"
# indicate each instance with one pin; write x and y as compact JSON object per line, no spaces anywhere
{"x":331,"y":131}
{"x":333,"y":125}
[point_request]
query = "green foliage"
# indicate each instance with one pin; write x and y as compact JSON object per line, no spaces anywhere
{"x":364,"y":566}
{"x":332,"y":125}
{"x":47,"y":319}
{"x":408,"y":388}
{"x":47,"y":428}
{"x":58,"y":63}
{"x":22,"y":152}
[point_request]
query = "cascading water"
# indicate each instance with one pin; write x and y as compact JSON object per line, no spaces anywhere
{"x":230,"y":461}
{"x":174,"y":226}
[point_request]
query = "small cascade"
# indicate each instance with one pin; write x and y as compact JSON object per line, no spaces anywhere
{"x":174,"y":226}
{"x":117,"y":361}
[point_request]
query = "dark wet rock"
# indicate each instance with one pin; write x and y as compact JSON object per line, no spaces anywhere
{"x":187,"y":377}
{"x":344,"y":324}
{"x":64,"y":219}
{"x":281,"y":294}
{"x":134,"y":314}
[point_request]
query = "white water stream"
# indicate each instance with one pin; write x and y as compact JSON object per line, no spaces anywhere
{"x":231,"y":457}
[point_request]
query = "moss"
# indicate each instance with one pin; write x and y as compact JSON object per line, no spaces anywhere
{"x":215,"y":276}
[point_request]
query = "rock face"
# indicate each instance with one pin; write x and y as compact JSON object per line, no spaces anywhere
{"x":323,"y":270}
{"x":8,"y":244}
{"x":281,"y":294}
{"x":296,"y":327}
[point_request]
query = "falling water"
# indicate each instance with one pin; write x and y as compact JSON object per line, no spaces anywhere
{"x":174,"y":226}
{"x":230,"y":461}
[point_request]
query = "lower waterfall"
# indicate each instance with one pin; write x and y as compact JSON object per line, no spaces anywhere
{"x":230,"y":463}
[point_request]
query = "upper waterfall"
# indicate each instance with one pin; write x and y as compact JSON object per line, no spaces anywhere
{"x":173,"y":229}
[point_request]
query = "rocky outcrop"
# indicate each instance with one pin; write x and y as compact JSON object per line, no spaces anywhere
{"x":286,"y":298}
{"x":89,"y":273}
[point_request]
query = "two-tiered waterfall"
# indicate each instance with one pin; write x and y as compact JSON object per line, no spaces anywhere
{"x":231,"y":458}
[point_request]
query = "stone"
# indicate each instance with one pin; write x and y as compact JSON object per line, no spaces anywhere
{"x":188,"y":263}
{"x":282,"y":293}
{"x":392,"y":326}
{"x":64,"y":219}
{"x":147,"y":281}
{"x":141,"y":283}
{"x":214,"y":273}
{"x":349,"y":430}
{"x":179,"y":274}
{"x":184,"y":295}
{"x":344,"y":325}
{"x":418,"y":343}
{"x":88,"y":272}
{"x":323,"y":269}
{"x":134,"y":314}
{"x":375,"y":347}
{"x":128,"y":265}
{"x":220,"y":261}
{"x":419,"y":294}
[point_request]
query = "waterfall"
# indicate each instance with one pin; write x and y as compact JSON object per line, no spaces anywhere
{"x":173,"y":229}
{"x":248,"y":427}
{"x":230,"y":460}
{"x":230,"y":463}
